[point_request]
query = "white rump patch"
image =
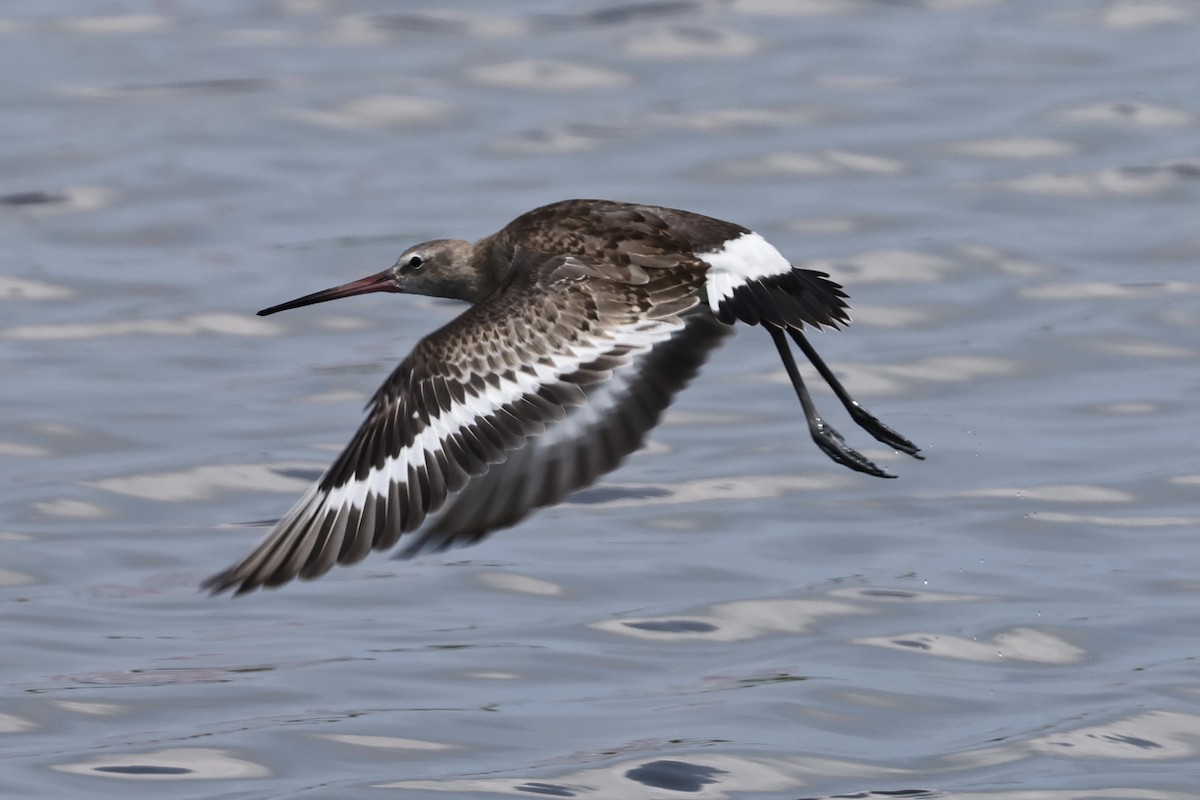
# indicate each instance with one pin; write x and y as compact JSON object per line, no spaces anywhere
{"x":747,"y":258}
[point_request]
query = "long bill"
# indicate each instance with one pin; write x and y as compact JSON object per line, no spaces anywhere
{"x":380,"y":282}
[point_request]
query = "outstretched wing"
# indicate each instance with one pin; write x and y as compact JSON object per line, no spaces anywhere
{"x":468,"y":396}
{"x":592,"y":440}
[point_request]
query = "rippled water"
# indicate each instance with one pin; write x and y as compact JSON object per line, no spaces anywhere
{"x":1007,"y":189}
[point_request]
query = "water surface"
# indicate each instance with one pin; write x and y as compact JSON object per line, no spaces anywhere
{"x":1007,"y":189}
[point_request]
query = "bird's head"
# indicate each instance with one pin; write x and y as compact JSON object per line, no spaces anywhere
{"x":438,"y":268}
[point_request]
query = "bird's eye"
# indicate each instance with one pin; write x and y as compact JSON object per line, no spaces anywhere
{"x":415,"y":262}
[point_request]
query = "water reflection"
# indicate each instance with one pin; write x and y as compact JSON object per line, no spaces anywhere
{"x":1153,"y":735}
{"x":1017,"y":644}
{"x":194,"y":763}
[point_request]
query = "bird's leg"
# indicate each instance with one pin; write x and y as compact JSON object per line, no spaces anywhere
{"x":865,"y":419}
{"x":828,"y":439}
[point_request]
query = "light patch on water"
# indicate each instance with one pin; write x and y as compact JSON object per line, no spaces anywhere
{"x":91,"y":709}
{"x":357,"y":30}
{"x":853,"y":82}
{"x":11,"y":723}
{"x":522,"y":584}
{"x":486,"y":25}
{"x":72,"y":509}
{"x":732,"y":622}
{"x":1014,"y":147}
{"x":336,"y":323}
{"x":674,"y":416}
{"x":493,"y":675}
{"x":1126,"y":16}
{"x":1101,"y":183}
{"x":13,"y":536}
{"x":72,"y":199}
{"x":12,"y":288}
{"x":1017,"y":644}
{"x":1153,"y":735}
{"x":1115,"y":522}
{"x":826,"y":226}
{"x":1139,"y":349}
{"x":20,"y":450}
{"x":192,"y":325}
{"x":386,"y":742}
{"x":677,"y":521}
{"x":117,"y":25}
{"x":554,"y":140}
{"x":894,"y":265}
{"x":1127,"y":408}
{"x":865,"y":381}
{"x":652,"y":447}
{"x":954,"y":369}
{"x":379,"y":112}
{"x":669,"y":772}
{"x":60,"y":429}
{"x":263,"y":37}
{"x":302,"y":8}
{"x":892,"y":316}
{"x":1186,"y":480}
{"x":1104,"y":290}
{"x":206,"y":482}
{"x":1179,"y":317}
{"x":87,"y":198}
{"x":1058,"y":493}
{"x":708,"y":490}
{"x":738,"y":118}
{"x":333,"y":397}
{"x":881,"y":380}
{"x":16,"y":27}
{"x":809,"y":165}
{"x":692,"y":43}
{"x":1133,"y":113}
{"x":10,"y":577}
{"x":998,"y":259}
{"x":955,"y":5}
{"x":865,"y":163}
{"x":801,"y":8}
{"x":553,"y":76}
{"x":180,"y":763}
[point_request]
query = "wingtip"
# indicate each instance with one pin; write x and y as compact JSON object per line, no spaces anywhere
{"x":221,"y":583}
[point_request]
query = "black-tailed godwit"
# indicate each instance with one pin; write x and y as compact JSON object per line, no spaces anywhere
{"x":587,"y":317}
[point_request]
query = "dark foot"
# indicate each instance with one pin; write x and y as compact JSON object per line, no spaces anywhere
{"x":833,"y":445}
{"x":871,"y":424}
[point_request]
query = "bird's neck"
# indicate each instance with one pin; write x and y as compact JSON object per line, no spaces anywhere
{"x":491,"y":264}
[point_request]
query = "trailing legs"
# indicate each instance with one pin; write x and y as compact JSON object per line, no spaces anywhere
{"x":823,"y":434}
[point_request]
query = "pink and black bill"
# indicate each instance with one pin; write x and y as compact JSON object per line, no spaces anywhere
{"x":379,"y":282}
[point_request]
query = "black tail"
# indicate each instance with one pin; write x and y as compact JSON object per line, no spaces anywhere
{"x":791,"y":299}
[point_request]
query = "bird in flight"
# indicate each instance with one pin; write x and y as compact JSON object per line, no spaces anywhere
{"x":586,"y":318}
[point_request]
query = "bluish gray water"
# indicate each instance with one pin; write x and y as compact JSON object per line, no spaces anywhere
{"x":1007,"y":189}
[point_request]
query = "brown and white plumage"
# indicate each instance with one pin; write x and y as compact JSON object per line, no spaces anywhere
{"x":587,"y":317}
